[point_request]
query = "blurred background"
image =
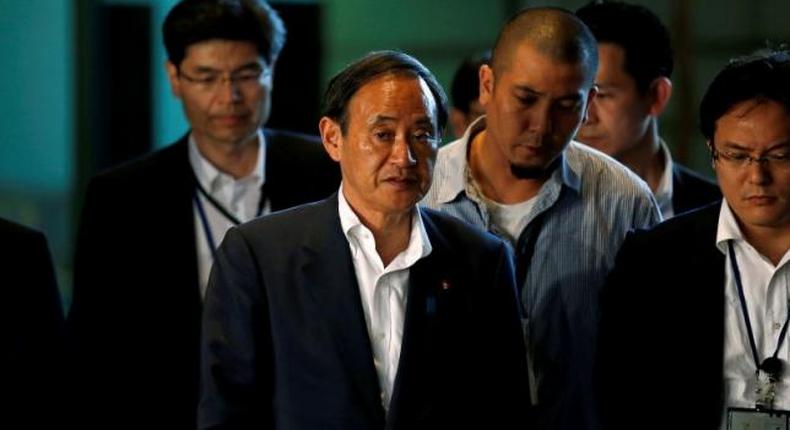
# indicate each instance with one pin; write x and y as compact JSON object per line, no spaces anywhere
{"x":84,"y":88}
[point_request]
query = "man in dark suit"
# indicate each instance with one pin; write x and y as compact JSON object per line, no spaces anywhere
{"x":149,"y":228}
{"x":634,"y":87}
{"x":370,"y":313}
{"x":32,"y":329}
{"x":675,"y":350}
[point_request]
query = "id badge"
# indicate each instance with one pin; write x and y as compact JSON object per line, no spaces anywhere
{"x":753,"y":419}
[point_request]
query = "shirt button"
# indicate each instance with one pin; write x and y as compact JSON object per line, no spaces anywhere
{"x":777,"y":326}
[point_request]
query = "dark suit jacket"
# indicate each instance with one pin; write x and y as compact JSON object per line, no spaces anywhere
{"x":662,"y":328}
{"x":31,"y":329}
{"x":286,"y":345}
{"x":690,"y":190}
{"x":135,"y":316}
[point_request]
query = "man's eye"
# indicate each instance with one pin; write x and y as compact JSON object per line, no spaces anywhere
{"x":206,"y":80}
{"x":426,"y":138}
{"x":527,"y":101}
{"x":738,"y":156}
{"x":781,"y":156}
{"x":568,"y":105}
{"x":384,"y":135}
{"x":247,"y":76}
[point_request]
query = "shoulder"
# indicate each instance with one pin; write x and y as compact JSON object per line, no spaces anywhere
{"x":459,"y":234}
{"x":155,"y":166}
{"x":451,"y":152}
{"x":282,"y":141}
{"x":687,"y":229}
{"x":597,"y":167}
{"x":291,"y":224}
{"x":14,"y":233}
{"x":689,"y":178}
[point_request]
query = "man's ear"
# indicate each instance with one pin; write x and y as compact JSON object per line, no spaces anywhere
{"x":486,"y":78}
{"x":709,"y":143}
{"x":172,"y":76}
{"x":660,"y":92}
{"x":331,"y":137}
{"x":590,"y":99}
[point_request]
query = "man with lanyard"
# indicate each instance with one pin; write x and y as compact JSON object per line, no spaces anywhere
{"x":149,"y":228}
{"x":564,"y":207}
{"x":634,"y":87}
{"x":706,"y":333}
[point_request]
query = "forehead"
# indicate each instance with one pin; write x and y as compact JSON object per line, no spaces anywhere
{"x":393,"y":97}
{"x":754,"y":124}
{"x":539,"y":71}
{"x":221,"y":54}
{"x":611,"y":63}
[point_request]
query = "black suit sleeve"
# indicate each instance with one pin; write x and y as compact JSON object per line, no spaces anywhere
{"x":236,"y":362}
{"x":32,"y":328}
{"x":619,"y":367}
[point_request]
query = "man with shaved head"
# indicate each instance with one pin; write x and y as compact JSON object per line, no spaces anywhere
{"x":565,"y":208}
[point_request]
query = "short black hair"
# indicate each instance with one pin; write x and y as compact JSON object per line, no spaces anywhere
{"x":761,"y":76}
{"x":465,"y":88}
{"x":641,"y":35}
{"x":553,"y":31}
{"x":348,"y":81}
{"x":195,"y":21}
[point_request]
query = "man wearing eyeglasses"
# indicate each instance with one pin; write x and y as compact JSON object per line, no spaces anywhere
{"x":707,"y":334}
{"x":150,"y":228}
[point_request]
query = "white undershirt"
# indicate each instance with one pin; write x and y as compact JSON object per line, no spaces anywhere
{"x":239,"y":196}
{"x":383,"y":290}
{"x":765,"y":288}
{"x":511,"y":218}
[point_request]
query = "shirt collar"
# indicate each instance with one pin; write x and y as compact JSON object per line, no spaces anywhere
{"x":664,"y":191}
{"x":419,"y":244}
{"x":728,"y":228}
{"x":210,"y":177}
{"x":456,"y":159}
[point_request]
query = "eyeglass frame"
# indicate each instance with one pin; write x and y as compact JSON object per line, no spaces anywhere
{"x":743,"y":160}
{"x":212,"y":83}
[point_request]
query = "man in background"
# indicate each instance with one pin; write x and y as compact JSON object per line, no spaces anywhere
{"x":464,"y":93}
{"x":150,"y":228}
{"x":634,"y":87}
{"x":564,"y":208}
{"x":705,"y":331}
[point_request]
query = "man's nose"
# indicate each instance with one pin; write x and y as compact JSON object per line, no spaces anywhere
{"x":402,"y":153}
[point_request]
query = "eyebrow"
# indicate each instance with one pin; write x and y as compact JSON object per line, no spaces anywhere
{"x":249,"y":66}
{"x":781,"y":145}
{"x":532,"y":91}
{"x":380,"y":119}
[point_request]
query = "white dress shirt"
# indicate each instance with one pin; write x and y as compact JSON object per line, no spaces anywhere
{"x":383,"y":290}
{"x":765,"y":288}
{"x":240,"y":197}
{"x":663,"y":193}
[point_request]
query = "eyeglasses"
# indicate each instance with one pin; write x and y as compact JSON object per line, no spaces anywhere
{"x":778,"y":160}
{"x":246,"y":80}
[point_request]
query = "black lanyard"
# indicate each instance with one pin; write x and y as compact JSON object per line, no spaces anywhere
{"x":225,"y":212}
{"x":770,"y":365}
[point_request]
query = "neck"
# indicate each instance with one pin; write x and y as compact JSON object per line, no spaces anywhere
{"x":237,"y":159}
{"x":646,"y":159}
{"x":771,"y":242}
{"x":491,"y":171}
{"x":390,"y":231}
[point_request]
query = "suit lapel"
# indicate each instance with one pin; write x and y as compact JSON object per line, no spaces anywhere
{"x":332,"y":284}
{"x":430,"y":282}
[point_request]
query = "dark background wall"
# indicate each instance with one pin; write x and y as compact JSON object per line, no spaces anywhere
{"x":80,"y":74}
